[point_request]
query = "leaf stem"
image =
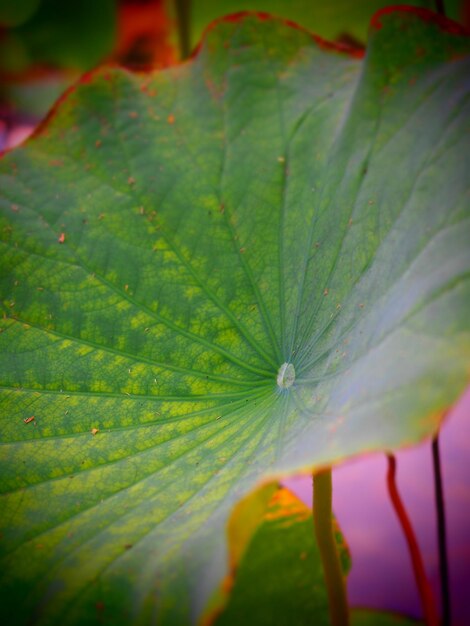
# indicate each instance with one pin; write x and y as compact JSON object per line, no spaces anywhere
{"x":424,"y":588}
{"x":183,"y":16}
{"x":441,"y":533}
{"x":322,"y":519}
{"x":440,"y":7}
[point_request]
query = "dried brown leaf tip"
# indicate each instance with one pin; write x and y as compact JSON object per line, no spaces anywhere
{"x":61,"y":238}
{"x":27,"y":420}
{"x":94,"y":431}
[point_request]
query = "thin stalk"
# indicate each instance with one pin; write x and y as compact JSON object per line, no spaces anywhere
{"x":322,"y":519}
{"x":183,"y":17}
{"x":440,"y":7}
{"x":424,"y":588}
{"x":441,"y":533}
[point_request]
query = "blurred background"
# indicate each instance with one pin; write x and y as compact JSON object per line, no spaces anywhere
{"x":45,"y":45}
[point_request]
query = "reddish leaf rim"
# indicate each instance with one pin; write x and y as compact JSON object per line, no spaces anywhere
{"x":357,"y":53}
{"x":445,"y":24}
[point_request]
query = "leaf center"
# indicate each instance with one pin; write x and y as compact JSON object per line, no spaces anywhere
{"x":286,"y":376}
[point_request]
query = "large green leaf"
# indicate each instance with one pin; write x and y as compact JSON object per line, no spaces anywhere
{"x":169,"y":243}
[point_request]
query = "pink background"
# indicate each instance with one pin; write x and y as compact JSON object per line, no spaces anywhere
{"x":381,"y":575}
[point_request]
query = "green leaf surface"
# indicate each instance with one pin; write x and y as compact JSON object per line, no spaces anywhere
{"x":171,"y":244}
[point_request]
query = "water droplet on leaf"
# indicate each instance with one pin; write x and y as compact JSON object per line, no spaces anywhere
{"x":285,"y":376}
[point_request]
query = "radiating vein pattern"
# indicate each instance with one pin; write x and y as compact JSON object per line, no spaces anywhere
{"x":253,"y":263}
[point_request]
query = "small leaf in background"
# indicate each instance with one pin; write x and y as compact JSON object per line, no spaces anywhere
{"x":279,"y":579}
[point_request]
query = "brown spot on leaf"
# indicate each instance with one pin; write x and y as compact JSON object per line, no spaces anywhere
{"x":94,"y":431}
{"x":171,"y":119}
